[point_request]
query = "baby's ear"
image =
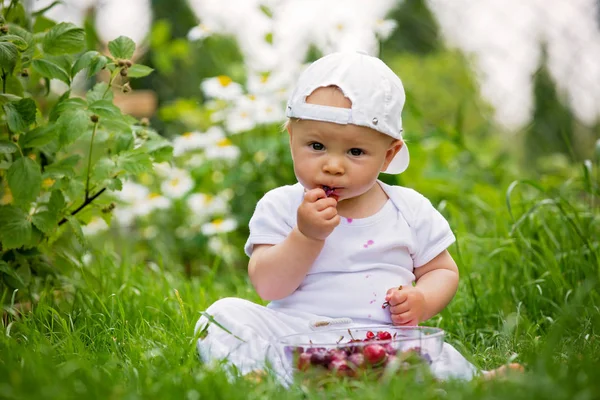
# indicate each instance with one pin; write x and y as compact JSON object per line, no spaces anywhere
{"x":391,"y":152}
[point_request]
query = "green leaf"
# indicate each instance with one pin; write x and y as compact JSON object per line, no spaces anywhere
{"x":139,"y":71}
{"x":114,"y":184}
{"x":23,"y":273}
{"x":42,"y":11}
{"x":45,"y":221}
{"x":9,"y":55}
{"x":83,"y":62}
{"x":16,"y":40}
{"x":122,"y":47}
{"x":7,"y":147}
{"x":134,"y":162}
{"x":11,"y":272}
{"x":123,"y":143}
{"x":105,"y":108}
{"x":39,"y":136}
{"x":73,"y":124}
{"x":76,"y":226}
{"x":16,"y":228}
{"x":23,"y":33}
{"x":65,"y":105}
{"x":7,"y":98}
{"x":51,"y":70}
{"x":63,"y":38}
{"x":64,"y":167}
{"x":56,"y":203}
{"x":5,"y":165}
{"x":20,"y":114}
{"x":99,"y":92}
{"x":97,"y":64}
{"x":25,"y":180}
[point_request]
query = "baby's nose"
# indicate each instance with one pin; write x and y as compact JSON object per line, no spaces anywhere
{"x":333,"y":166}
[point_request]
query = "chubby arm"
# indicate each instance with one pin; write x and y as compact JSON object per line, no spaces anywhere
{"x":277,"y":270}
{"x":436,"y":285}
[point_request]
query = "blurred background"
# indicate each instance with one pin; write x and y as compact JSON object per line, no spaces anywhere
{"x":496,"y":91}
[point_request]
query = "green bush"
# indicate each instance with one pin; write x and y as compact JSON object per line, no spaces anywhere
{"x":59,"y":155}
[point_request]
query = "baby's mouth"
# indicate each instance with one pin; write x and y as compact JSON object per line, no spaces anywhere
{"x":330,"y":191}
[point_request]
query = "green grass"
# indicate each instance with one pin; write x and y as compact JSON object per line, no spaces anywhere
{"x":123,"y":328}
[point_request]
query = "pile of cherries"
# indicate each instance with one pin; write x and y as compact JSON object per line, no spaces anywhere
{"x":356,"y":356}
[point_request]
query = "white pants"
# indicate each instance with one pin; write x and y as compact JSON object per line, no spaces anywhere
{"x":246,"y":338}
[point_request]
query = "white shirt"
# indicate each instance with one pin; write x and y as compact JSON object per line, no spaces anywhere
{"x":362,"y":258}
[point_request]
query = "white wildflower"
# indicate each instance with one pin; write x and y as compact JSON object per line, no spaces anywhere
{"x":95,"y":226}
{"x":219,"y":226}
{"x":221,"y":87}
{"x":223,"y":150}
{"x":178,"y":184}
{"x":199,"y":32}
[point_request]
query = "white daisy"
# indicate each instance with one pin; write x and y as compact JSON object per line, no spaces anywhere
{"x":187,"y":142}
{"x":219,"y":226}
{"x":384,"y":28}
{"x":132,"y":192}
{"x":95,"y":226}
{"x":199,"y":32}
{"x":223,"y":150}
{"x":178,"y":184}
{"x":221,"y":87}
{"x":241,"y":117}
{"x":154,"y":201}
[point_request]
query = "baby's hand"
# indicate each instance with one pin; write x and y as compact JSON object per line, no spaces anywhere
{"x":407,"y":305}
{"x":317,"y":215}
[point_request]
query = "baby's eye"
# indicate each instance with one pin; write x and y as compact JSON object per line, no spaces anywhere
{"x":356,"y":152}
{"x":317,"y":146}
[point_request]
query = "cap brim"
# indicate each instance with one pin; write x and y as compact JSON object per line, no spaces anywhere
{"x":400,"y":161}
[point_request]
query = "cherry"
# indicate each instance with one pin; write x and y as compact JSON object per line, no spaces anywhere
{"x":370,"y":335}
{"x":320,"y":358}
{"x":338,"y":355}
{"x":356,"y":359}
{"x":304,"y":361}
{"x":383,"y":335}
{"x":340,"y":367}
{"x":374,"y":354}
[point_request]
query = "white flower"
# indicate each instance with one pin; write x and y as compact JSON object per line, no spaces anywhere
{"x":384,"y":28}
{"x":195,"y":161}
{"x":202,"y":206}
{"x":124,"y":216}
{"x":187,"y":142}
{"x":153,"y":201}
{"x":216,"y":244}
{"x":199,"y":32}
{"x":95,"y":226}
{"x":198,"y":203}
{"x":178,"y":184}
{"x":269,"y":110}
{"x":223,"y":150}
{"x":241,"y":117}
{"x":132,"y":192}
{"x":219,"y":226}
{"x":221,"y":87}
{"x":162,"y":169}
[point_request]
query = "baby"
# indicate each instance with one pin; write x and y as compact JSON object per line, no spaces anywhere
{"x":340,"y":246}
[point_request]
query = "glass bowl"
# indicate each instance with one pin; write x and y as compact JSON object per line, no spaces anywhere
{"x":357,"y":351}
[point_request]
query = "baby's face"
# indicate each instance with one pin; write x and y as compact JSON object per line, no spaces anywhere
{"x":345,"y":158}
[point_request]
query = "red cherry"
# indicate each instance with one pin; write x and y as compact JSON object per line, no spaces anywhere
{"x":370,"y":335}
{"x":374,"y":354}
{"x":304,"y":361}
{"x":383,"y":335}
{"x":356,"y":359}
{"x":340,"y":367}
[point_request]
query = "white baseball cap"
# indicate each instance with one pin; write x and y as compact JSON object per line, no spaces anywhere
{"x":376,"y":93}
